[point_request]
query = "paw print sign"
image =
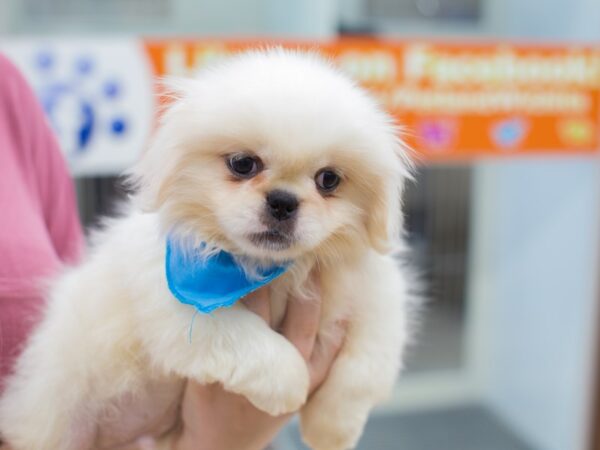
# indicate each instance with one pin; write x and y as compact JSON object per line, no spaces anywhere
{"x":73,"y":109}
{"x":98,"y":96}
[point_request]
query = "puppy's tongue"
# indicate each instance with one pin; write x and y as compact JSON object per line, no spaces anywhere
{"x":216,"y":281}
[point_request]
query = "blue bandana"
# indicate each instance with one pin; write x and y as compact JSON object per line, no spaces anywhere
{"x":213,"y":282}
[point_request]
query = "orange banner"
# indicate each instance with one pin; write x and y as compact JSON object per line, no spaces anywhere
{"x":457,"y":101}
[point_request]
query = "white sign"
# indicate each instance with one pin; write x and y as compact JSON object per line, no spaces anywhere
{"x":98,"y":95}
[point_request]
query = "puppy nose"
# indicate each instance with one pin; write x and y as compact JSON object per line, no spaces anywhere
{"x":282,"y":204}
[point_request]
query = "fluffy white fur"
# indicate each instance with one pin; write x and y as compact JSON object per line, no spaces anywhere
{"x":114,"y":339}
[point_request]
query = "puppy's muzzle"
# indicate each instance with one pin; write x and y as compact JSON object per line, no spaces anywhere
{"x":282,"y":205}
{"x":279,"y":216}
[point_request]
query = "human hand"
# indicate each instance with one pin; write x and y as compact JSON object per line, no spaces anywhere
{"x":215,"y":419}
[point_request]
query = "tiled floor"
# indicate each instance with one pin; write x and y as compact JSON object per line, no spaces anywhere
{"x":465,"y":428}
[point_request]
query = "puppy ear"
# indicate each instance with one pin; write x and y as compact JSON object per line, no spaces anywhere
{"x":151,"y":175}
{"x":385,"y":220}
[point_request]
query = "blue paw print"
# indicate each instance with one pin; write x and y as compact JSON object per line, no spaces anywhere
{"x":509,"y":133}
{"x":73,"y":108}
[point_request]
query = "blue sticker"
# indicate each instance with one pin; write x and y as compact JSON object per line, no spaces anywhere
{"x":112,"y":89}
{"x":118,"y":126}
{"x":44,"y":61}
{"x":84,"y":65}
{"x":509,"y":133}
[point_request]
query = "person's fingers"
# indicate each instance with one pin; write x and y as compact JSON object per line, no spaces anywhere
{"x":259,"y":303}
{"x":325,"y":352}
{"x":146,"y":443}
{"x":301,"y":321}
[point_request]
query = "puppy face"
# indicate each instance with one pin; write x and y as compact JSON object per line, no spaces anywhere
{"x":273,"y":155}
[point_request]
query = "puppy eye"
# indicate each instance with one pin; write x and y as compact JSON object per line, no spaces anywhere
{"x":327,"y":180}
{"x":243,"y":165}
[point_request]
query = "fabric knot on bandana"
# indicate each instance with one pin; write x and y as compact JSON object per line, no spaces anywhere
{"x":210,"y":282}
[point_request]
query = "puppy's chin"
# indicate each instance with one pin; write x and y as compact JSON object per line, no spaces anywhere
{"x":272,"y":240}
{"x":267,"y":246}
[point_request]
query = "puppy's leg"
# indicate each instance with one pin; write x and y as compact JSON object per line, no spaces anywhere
{"x":235,"y":347}
{"x":364,"y":372}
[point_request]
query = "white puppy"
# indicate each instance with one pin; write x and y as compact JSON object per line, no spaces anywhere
{"x":272,"y":156}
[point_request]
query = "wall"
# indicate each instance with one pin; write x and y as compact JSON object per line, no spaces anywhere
{"x":305,"y":18}
{"x":536,"y":262}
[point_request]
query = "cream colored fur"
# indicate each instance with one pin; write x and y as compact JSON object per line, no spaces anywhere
{"x":115,"y":342}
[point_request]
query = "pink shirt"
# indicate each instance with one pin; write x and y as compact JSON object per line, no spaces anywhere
{"x":39,"y":226}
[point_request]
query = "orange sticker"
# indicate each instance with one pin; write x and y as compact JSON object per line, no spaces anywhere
{"x":457,"y":101}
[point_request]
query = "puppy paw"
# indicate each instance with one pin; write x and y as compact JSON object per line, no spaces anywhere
{"x":324,"y":427}
{"x":276,"y":383}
